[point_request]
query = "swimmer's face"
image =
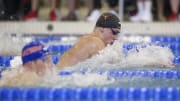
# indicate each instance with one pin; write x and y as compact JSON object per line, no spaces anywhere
{"x":40,"y":65}
{"x":43,"y":62}
{"x":46,"y":61}
{"x":110,"y":35}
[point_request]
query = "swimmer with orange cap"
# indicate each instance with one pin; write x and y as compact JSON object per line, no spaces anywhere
{"x":105,"y":32}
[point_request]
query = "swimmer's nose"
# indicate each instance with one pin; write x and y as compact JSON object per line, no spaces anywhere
{"x":111,"y":42}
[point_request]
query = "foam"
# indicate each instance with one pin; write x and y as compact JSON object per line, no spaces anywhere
{"x":77,"y":80}
{"x":150,"y":56}
{"x":114,"y":57}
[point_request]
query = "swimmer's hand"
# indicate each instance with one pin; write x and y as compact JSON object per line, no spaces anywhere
{"x":170,"y":65}
{"x":162,"y":65}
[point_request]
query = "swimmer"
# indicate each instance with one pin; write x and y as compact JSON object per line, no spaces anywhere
{"x":36,"y":64}
{"x":105,"y":32}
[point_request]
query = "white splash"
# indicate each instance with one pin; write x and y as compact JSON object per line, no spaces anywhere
{"x":150,"y":56}
{"x":77,"y":80}
{"x":113,"y":57}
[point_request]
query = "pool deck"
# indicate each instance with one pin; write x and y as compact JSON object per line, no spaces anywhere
{"x":82,"y":27}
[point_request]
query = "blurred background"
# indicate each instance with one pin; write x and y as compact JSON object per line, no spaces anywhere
{"x":89,"y":10}
{"x":59,"y":23}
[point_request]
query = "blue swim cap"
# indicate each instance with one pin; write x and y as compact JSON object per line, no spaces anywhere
{"x":33,"y":51}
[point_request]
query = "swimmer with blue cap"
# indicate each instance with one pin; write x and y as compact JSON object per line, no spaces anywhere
{"x":36,"y":63}
{"x":105,"y":32}
{"x":36,"y":58}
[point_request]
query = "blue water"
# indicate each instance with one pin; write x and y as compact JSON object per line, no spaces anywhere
{"x":90,"y":94}
{"x":131,"y":84}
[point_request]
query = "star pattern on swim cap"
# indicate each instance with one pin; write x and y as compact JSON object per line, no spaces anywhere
{"x":105,"y":17}
{"x":119,"y":22}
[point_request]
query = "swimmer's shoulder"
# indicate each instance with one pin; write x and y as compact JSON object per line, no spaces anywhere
{"x":92,"y":39}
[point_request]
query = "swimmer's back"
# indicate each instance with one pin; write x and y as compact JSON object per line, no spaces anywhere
{"x":84,"y":48}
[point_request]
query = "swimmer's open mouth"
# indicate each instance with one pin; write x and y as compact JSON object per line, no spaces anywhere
{"x":111,"y":43}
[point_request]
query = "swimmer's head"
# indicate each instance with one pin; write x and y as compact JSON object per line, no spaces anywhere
{"x":33,"y":51}
{"x":108,"y":25}
{"x":109,"y":20}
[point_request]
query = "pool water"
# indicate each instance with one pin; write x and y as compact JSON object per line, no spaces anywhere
{"x":107,"y":82}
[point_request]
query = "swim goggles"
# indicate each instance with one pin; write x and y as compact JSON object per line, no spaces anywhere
{"x":115,"y":32}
